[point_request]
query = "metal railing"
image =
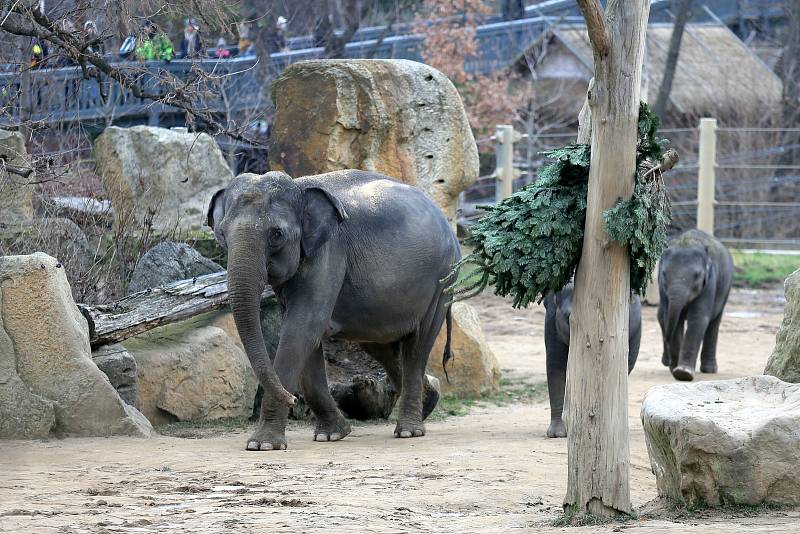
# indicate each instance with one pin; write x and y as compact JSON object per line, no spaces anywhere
{"x":743,"y":191}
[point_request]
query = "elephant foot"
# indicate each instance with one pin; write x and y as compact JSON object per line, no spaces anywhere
{"x":665,"y":360}
{"x":409,"y":430}
{"x":684,"y":374}
{"x":708,"y":367}
{"x":332,"y":429}
{"x":266,"y":439}
{"x":557,"y":429}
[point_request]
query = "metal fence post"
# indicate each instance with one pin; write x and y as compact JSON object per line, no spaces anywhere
{"x":705,"y":175}
{"x":504,"y":154}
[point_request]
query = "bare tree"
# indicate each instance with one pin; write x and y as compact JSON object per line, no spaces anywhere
{"x":597,"y":374}
{"x":672,"y":57}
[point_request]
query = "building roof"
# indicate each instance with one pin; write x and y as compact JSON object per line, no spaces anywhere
{"x":717,"y":74}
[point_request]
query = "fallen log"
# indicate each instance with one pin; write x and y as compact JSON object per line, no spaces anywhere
{"x":145,"y":310}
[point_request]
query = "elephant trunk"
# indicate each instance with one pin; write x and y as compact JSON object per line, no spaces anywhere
{"x":247,"y":278}
{"x":676,"y":303}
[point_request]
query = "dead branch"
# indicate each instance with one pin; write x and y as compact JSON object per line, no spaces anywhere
{"x":143,"y":311}
{"x":596,"y":25}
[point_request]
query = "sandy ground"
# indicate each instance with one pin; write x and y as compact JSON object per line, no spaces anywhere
{"x":490,"y":471}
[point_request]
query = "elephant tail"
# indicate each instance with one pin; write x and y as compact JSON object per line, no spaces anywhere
{"x":448,"y":352}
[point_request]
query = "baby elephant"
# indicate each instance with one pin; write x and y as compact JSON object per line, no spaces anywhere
{"x":556,"y":341}
{"x":694,"y":279}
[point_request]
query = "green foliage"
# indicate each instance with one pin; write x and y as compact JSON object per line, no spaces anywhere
{"x":641,"y":223}
{"x":531,"y":242}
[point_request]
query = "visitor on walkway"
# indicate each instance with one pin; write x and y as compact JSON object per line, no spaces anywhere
{"x":191,"y":46}
{"x":222,"y":51}
{"x":246,"y":47}
{"x":154,"y":45}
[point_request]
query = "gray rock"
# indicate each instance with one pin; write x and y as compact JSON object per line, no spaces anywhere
{"x":159,"y":175}
{"x":120,"y":368}
{"x":190,"y":372}
{"x":16,"y":195}
{"x":50,"y":351}
{"x":169,"y":262}
{"x":725,"y":442}
{"x":784,"y":362}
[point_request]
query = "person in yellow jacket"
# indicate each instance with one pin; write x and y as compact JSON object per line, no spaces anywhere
{"x":154,"y":44}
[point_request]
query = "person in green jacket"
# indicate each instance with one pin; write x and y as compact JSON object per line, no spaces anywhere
{"x":154,"y":44}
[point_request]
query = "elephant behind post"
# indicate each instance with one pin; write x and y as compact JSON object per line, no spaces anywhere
{"x":694,"y":280}
{"x":558,"y":307}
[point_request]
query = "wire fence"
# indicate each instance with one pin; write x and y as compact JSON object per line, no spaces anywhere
{"x":756,"y":189}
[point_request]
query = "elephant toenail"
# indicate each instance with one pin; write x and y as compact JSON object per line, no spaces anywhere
{"x":335,"y":436}
{"x":252,"y":445}
{"x":266,"y":446}
{"x":283,"y":446}
{"x":405,"y":434}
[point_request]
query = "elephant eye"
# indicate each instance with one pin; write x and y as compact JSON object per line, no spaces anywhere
{"x":276,"y":236}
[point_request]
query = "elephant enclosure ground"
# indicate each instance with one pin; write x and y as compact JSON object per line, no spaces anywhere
{"x":491,"y":470}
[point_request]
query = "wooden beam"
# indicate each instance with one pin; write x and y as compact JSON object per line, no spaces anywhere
{"x":145,"y":310}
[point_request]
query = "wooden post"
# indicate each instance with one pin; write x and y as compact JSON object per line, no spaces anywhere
{"x":705,"y":175}
{"x":597,"y":371}
{"x":504,"y":162}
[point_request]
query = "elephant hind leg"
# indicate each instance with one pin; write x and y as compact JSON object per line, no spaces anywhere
{"x":331,"y":424}
{"x":414,"y":352}
{"x":708,"y":354}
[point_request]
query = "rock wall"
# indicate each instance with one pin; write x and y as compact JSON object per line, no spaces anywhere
{"x":397,"y":117}
{"x":158,"y":171}
{"x":784,"y":362}
{"x":45,"y":340}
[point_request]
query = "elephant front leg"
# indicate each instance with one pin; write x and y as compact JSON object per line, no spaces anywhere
{"x":708,"y":355}
{"x":331,"y":424}
{"x":292,"y":355}
{"x":557,"y":354}
{"x":696,"y":325}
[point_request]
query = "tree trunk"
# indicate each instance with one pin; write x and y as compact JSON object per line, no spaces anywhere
{"x":672,"y":57}
{"x":597,"y":371}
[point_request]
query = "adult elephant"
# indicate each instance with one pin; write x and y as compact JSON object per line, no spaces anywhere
{"x":558,"y":308}
{"x":350,"y":254}
{"x":694,"y":280}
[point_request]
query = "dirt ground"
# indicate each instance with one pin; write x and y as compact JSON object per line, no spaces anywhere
{"x":492,"y":470}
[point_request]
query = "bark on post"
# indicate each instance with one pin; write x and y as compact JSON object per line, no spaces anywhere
{"x":597,"y":373}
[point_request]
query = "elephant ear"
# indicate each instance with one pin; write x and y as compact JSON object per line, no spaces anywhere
{"x":322,"y":214}
{"x":216,"y":212}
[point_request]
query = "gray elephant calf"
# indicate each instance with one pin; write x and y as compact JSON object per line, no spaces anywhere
{"x":694,"y":280}
{"x":350,"y":254}
{"x":558,"y":307}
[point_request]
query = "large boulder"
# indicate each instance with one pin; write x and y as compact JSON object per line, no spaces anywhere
{"x":188,"y":371}
{"x":23,"y":414}
{"x":725,"y":442}
{"x":16,"y":194}
{"x":397,"y":117}
{"x":49,"y":351}
{"x":169,"y":262}
{"x":162,"y":174}
{"x":784,"y":362}
{"x":474,"y":370}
